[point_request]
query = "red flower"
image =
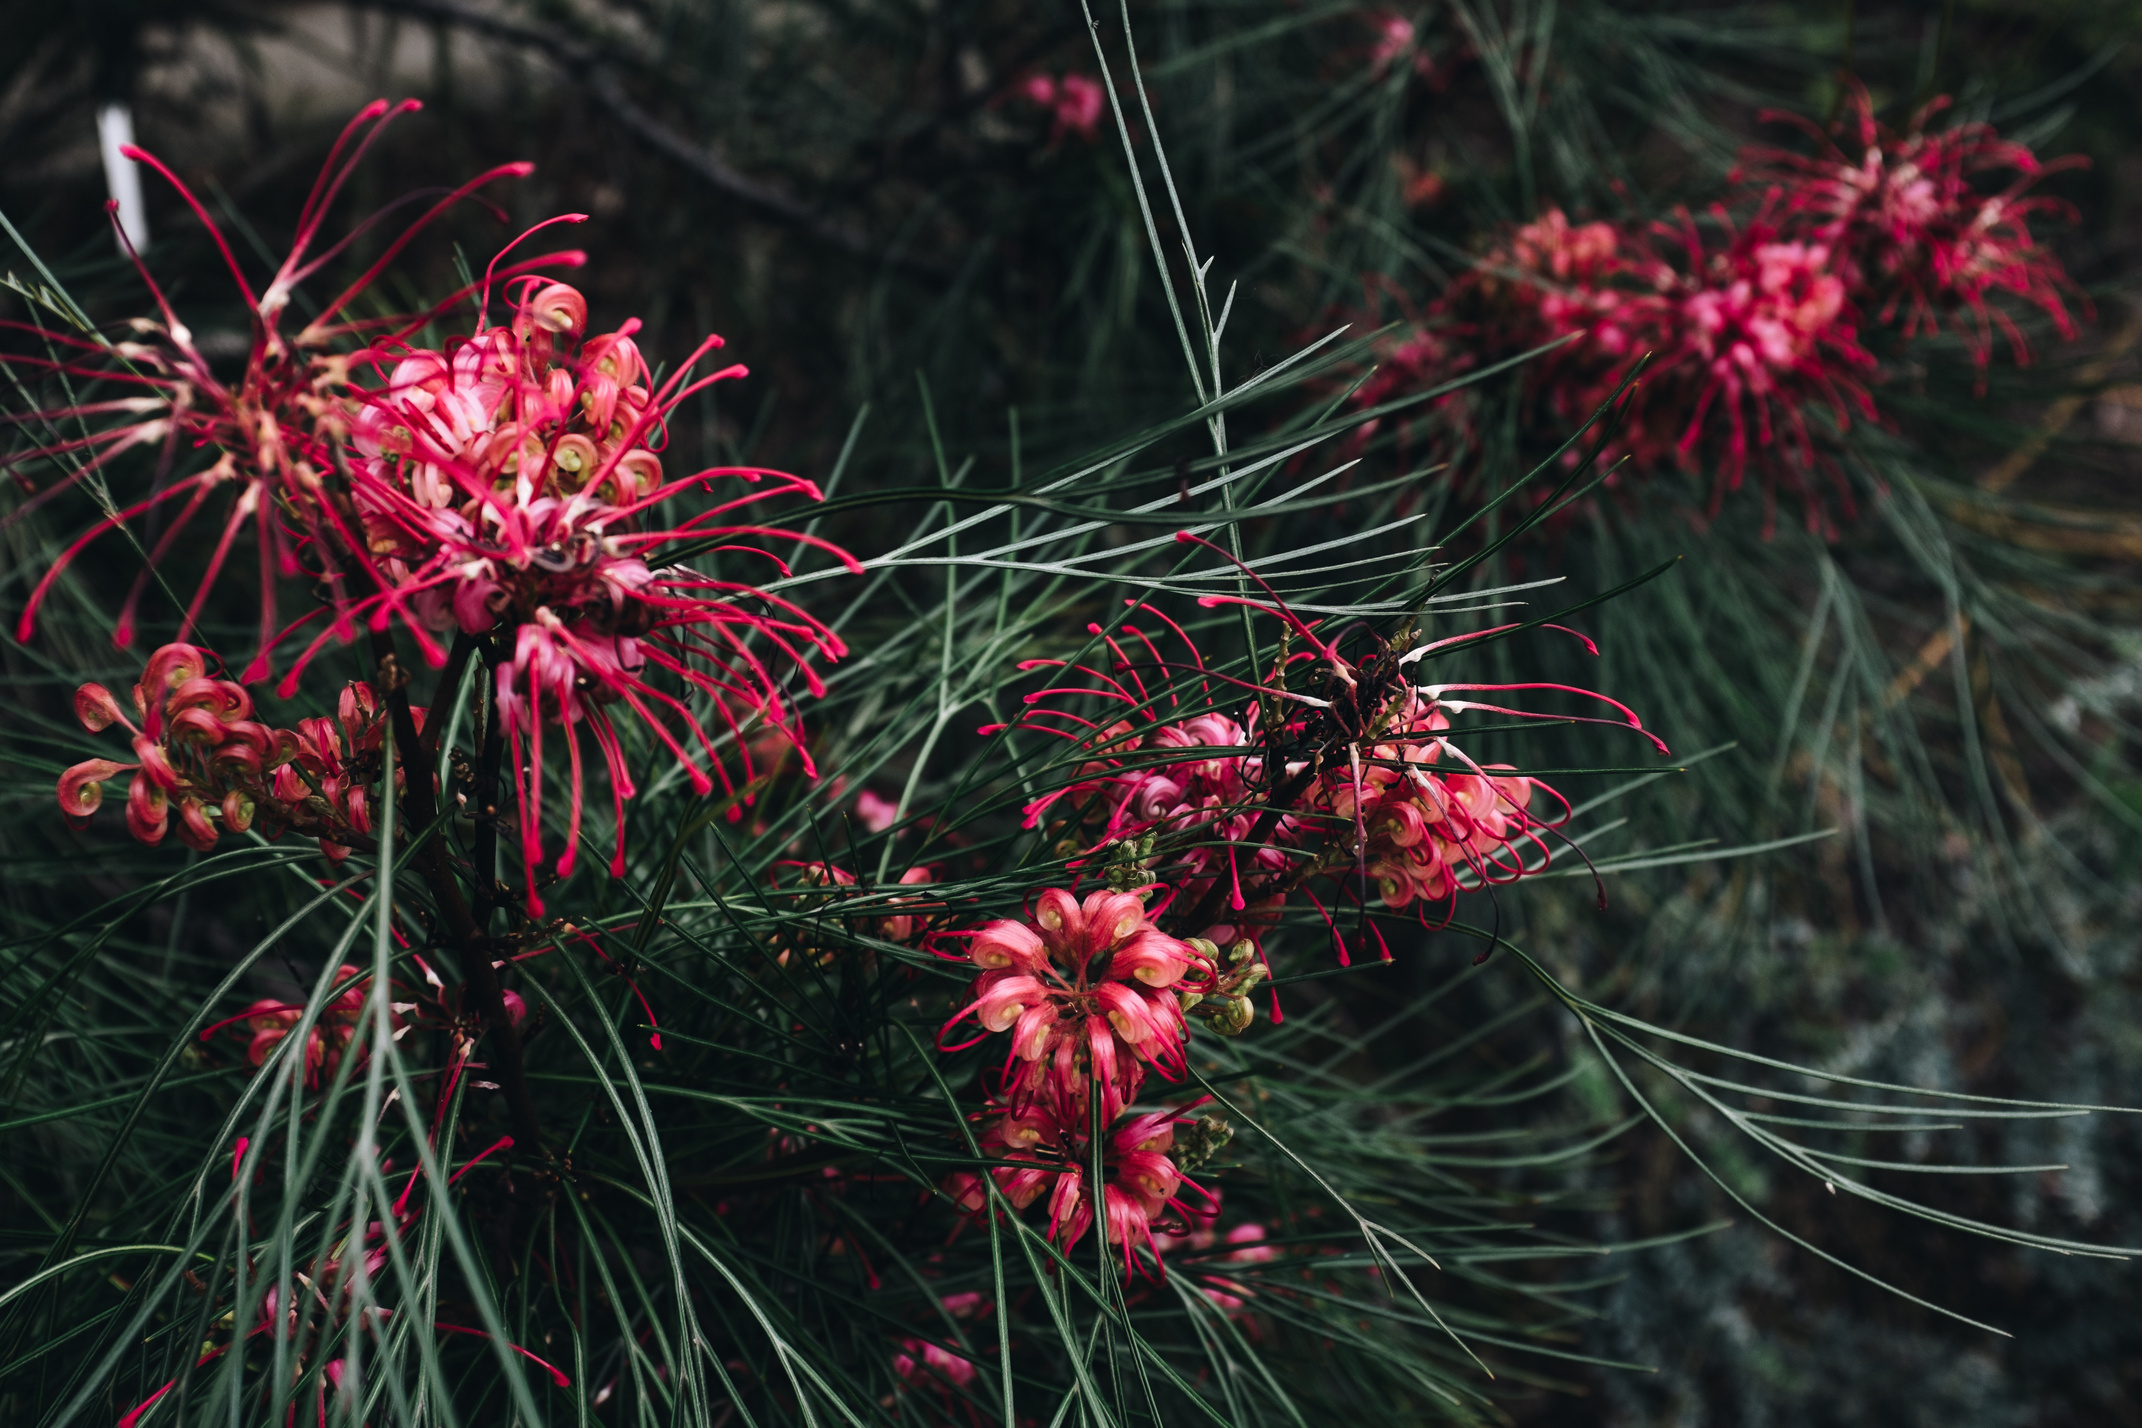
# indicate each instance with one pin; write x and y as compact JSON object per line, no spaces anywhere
{"x":1921,"y":236}
{"x":274,"y":429}
{"x":1047,"y":1153}
{"x":1084,"y":990}
{"x":200,"y":752}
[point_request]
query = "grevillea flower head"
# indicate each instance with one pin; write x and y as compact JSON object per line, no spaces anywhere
{"x":1361,"y":782}
{"x":1752,"y":319}
{"x":508,"y":489}
{"x":1084,"y":988}
{"x":201,"y":756}
{"x":1048,"y":1155}
{"x":1919,"y":232}
{"x":270,"y":436}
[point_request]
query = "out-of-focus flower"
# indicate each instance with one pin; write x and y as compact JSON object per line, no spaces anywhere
{"x":1242,"y":1244}
{"x":268,"y":1022}
{"x":1918,"y":234}
{"x":1751,"y":319}
{"x":1084,"y":988}
{"x":872,"y":914}
{"x":1074,"y":101}
{"x":875,"y":812}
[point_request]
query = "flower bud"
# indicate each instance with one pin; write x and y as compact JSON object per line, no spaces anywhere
{"x":95,"y":707}
{"x":1005,"y":943}
{"x":1001,"y":1003}
{"x":81,"y":788}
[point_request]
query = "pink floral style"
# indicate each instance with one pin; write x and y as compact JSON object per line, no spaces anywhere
{"x":1044,"y":1153}
{"x":1086,"y":990}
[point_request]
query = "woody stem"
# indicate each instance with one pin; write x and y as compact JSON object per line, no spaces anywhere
{"x":428,"y":858}
{"x":1283,"y":798}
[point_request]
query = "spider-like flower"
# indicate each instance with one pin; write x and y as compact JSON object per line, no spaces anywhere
{"x":1084,"y":990}
{"x":200,"y":753}
{"x":1760,"y":331}
{"x":508,"y":489}
{"x":274,"y":429}
{"x":1360,"y":779}
{"x":1043,"y":1152}
{"x":1422,"y":828}
{"x":1920,"y":234}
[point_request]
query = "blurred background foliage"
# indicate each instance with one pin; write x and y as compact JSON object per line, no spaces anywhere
{"x":867,"y":200}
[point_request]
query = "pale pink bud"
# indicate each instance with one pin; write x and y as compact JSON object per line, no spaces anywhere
{"x":558,"y":308}
{"x":1035,"y":1029}
{"x":1057,"y":911}
{"x":1024,"y":1186}
{"x":1112,"y":916}
{"x":1150,"y":1175}
{"x":1005,"y":943}
{"x":171,"y":666}
{"x":195,"y":829}
{"x":1128,"y":1222}
{"x":1151,"y":956}
{"x":1001,"y":1002}
{"x":1127,"y":1012}
{"x":148,"y":810}
{"x":1399,"y":822}
{"x":965,"y":1188}
{"x":95,"y":707}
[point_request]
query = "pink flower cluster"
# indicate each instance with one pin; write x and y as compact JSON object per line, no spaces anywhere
{"x":1389,"y":795}
{"x":503,"y":493}
{"x":1091,"y":993}
{"x":1086,"y":989}
{"x":506,"y":486}
{"x":1074,"y":101}
{"x":270,"y":1022}
{"x":1915,"y":232}
{"x":199,"y":752}
{"x":1752,"y":324}
{"x":1044,"y":1156}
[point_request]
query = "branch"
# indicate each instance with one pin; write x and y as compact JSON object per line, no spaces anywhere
{"x":470,"y":938}
{"x":581,"y":59}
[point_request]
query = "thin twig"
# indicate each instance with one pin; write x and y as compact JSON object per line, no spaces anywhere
{"x":584,"y":61}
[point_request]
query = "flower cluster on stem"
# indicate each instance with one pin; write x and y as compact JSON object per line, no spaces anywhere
{"x":1754,"y":319}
